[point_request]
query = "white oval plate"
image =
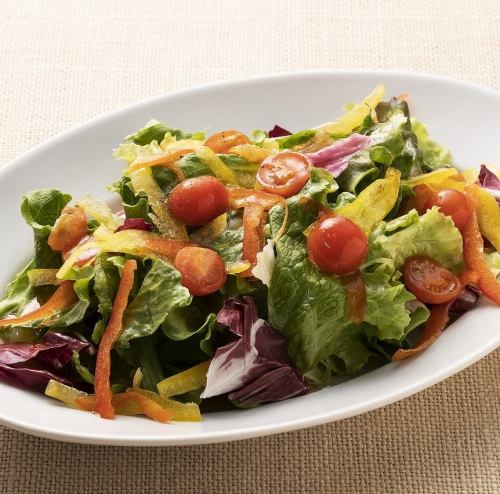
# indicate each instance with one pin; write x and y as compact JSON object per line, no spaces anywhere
{"x":461,"y":116}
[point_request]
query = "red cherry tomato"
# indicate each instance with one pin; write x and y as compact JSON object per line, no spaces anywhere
{"x":337,"y":245}
{"x":284,"y":173}
{"x":196,"y":201}
{"x":222,"y":142}
{"x":202,"y":270}
{"x":451,"y":203}
{"x":429,"y":281}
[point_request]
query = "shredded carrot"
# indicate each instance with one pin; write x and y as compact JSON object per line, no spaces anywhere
{"x":167,"y":159}
{"x":254,"y":217}
{"x":432,"y":331}
{"x":473,"y":250}
{"x":103,"y":365}
{"x":63,"y":298}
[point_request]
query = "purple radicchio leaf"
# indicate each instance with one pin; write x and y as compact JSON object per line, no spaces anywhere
{"x":278,"y":131}
{"x":33,"y":363}
{"x":489,"y":181}
{"x":335,"y":158}
{"x":466,"y":301}
{"x":135,"y":224}
{"x":258,"y":350}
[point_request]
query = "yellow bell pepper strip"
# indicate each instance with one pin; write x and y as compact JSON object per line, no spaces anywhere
{"x":434,"y":177}
{"x":473,"y":249}
{"x":82,"y":254}
{"x":112,"y":332}
{"x":216,"y":165}
{"x":168,"y":160}
{"x":488,"y":216}
{"x":63,"y":298}
{"x":251,"y":152}
{"x":40,"y":277}
{"x":433,"y":328}
{"x":140,"y":243}
{"x":137,"y":380}
{"x":188,"y":380}
{"x":129,"y":403}
{"x":237,"y":267}
{"x":143,"y":181}
{"x":99,"y":210}
{"x":354,"y":117}
{"x":181,"y":412}
{"x":374,"y":203}
{"x":123,"y":403}
{"x":209,"y":232}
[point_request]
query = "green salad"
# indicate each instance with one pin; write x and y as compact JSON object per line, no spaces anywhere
{"x":246,"y":269}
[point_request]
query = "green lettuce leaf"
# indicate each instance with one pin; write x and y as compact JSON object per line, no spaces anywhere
{"x":432,"y":234}
{"x":40,"y":209}
{"x":434,"y":155}
{"x":156,"y":132}
{"x":161,"y":291}
{"x":134,"y":206}
{"x":17,"y":294}
{"x":296,"y":139}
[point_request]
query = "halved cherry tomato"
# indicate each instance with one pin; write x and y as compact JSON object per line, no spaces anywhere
{"x":337,"y":245}
{"x":284,"y":173}
{"x":202,"y":270}
{"x":429,"y":281}
{"x":222,"y":142}
{"x":69,"y":229}
{"x":451,"y":203}
{"x":196,"y":201}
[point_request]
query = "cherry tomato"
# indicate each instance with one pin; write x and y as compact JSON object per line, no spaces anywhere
{"x":222,"y":142}
{"x":451,"y":203}
{"x":429,"y":281}
{"x":196,"y":201}
{"x":337,"y":245}
{"x":69,"y":229}
{"x":202,"y":270}
{"x":284,"y":173}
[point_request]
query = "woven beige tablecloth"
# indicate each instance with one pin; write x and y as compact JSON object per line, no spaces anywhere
{"x":63,"y":62}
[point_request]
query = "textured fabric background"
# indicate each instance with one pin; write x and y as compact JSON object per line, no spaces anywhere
{"x":63,"y":62}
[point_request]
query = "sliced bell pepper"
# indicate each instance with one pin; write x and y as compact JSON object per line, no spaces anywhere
{"x":434,"y":326}
{"x":63,"y":298}
{"x":473,"y":249}
{"x":85,"y":252}
{"x":251,"y":152}
{"x":168,"y":159}
{"x":216,"y":165}
{"x":254,"y":217}
{"x":142,"y":181}
{"x":64,"y":393}
{"x":188,"y":380}
{"x":374,"y":203}
{"x":111,"y":334}
{"x":354,"y":117}
{"x":40,"y":277}
{"x":355,"y":297}
{"x":140,"y":243}
{"x":444,"y":178}
{"x":488,"y":216}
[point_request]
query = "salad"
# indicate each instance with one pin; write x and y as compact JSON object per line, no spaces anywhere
{"x":246,"y":269}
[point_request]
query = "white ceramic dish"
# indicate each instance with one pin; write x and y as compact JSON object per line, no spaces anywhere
{"x":460,"y":115}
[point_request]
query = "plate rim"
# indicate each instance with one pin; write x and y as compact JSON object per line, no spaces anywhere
{"x":245,"y":432}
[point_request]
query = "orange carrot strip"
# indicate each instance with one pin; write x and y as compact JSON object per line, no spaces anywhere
{"x":63,"y":298}
{"x":432,"y":331}
{"x":167,"y":159}
{"x":103,"y":365}
{"x":473,"y":250}
{"x":254,"y":239}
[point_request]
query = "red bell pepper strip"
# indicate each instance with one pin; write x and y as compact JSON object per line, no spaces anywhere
{"x":167,"y":159}
{"x":473,"y":250}
{"x":253,"y":234}
{"x":63,"y":298}
{"x":103,"y":396}
{"x":432,"y":331}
